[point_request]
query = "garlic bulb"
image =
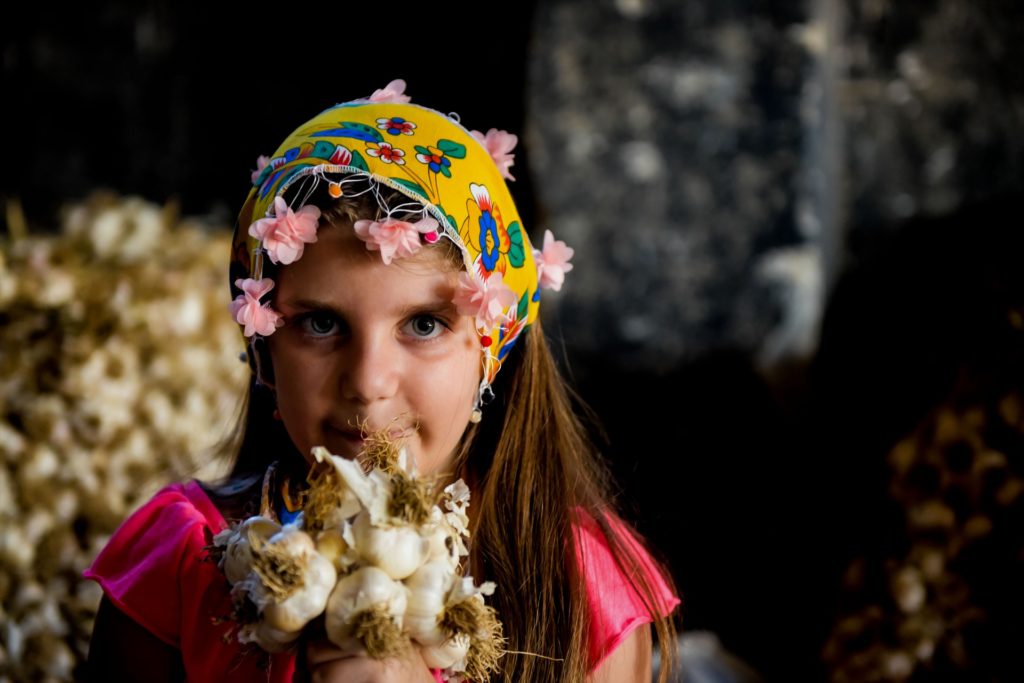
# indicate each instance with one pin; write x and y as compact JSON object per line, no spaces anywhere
{"x":366,"y":602}
{"x":397,"y":550}
{"x":237,"y":543}
{"x":305,"y":595}
{"x":428,"y":592}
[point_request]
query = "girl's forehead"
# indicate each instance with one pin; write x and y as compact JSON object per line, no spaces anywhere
{"x":339,"y":264}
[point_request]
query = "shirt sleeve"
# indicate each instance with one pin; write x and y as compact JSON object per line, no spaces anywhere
{"x":141,"y":567}
{"x":615,"y":605}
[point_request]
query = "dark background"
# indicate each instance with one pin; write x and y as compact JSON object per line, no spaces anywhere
{"x":898,"y":139}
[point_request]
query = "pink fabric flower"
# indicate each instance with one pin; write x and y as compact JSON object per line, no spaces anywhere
{"x":394,"y":238}
{"x":499,"y":145}
{"x":552,"y":262}
{"x":286,"y":234}
{"x":485,"y":300}
{"x":261,"y":163}
{"x":246,"y":308}
{"x":392,"y":92}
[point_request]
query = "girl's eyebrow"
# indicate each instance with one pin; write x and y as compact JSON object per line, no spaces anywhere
{"x":311,"y":305}
{"x":435,"y":306}
{"x":432,"y":305}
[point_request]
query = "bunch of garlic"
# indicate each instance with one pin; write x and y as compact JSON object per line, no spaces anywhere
{"x":402,"y":575}
{"x":396,"y":551}
{"x":950,"y":585}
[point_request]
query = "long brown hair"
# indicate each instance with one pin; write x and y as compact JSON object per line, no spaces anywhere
{"x":533,"y":472}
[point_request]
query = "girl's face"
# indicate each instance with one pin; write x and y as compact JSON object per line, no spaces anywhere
{"x":375,"y":345}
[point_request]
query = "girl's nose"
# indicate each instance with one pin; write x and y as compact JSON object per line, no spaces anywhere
{"x":371,"y":371}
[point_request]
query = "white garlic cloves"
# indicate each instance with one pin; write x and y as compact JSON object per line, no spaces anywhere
{"x":362,"y":590}
{"x":428,"y":590}
{"x":318,"y":578}
{"x":237,"y":559}
{"x":397,"y":550}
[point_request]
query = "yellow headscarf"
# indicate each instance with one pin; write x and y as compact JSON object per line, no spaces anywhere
{"x":458,"y":176}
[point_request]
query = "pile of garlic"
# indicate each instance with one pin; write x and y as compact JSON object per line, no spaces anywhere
{"x":378,"y":557}
{"x":943,"y":601}
{"x":119,"y":372}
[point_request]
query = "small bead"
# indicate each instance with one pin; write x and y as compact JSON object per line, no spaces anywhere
{"x":334,"y":189}
{"x":430,"y":237}
{"x":475,"y":416}
{"x":485,"y":341}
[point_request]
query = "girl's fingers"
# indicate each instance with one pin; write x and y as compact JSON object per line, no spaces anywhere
{"x":328,"y":664}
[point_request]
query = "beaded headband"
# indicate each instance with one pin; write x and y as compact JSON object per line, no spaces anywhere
{"x":455,"y":181}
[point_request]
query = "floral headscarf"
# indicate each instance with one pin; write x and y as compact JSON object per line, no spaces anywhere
{"x":457,"y":175}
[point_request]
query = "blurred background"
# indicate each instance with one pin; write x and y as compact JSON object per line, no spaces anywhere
{"x":796,"y":308}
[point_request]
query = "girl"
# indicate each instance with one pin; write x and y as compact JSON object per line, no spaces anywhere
{"x":383,"y":281}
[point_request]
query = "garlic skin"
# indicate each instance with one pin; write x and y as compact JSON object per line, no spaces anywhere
{"x":445,"y":542}
{"x":397,"y":550}
{"x":350,"y":502}
{"x":450,"y":654}
{"x":370,"y":490}
{"x":464,"y":588}
{"x":360,"y":591}
{"x":318,"y":579}
{"x":456,"y":500}
{"x":449,"y":530}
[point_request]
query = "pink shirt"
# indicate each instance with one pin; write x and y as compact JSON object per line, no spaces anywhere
{"x":154,"y":570}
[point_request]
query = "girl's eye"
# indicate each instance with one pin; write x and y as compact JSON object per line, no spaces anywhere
{"x":319,"y":324}
{"x":424,"y":327}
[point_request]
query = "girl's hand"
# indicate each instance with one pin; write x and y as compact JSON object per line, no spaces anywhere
{"x":327,"y":664}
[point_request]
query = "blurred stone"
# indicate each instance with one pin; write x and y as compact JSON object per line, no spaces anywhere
{"x":666,"y":141}
{"x":933,"y":107}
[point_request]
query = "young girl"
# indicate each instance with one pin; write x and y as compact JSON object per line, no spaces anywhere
{"x":383,"y":281}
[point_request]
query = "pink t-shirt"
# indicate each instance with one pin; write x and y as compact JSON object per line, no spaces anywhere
{"x":154,"y":570}
{"x":615,"y":607}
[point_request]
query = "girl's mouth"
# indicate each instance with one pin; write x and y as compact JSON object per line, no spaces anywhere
{"x":357,"y":437}
{"x":344,"y":442}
